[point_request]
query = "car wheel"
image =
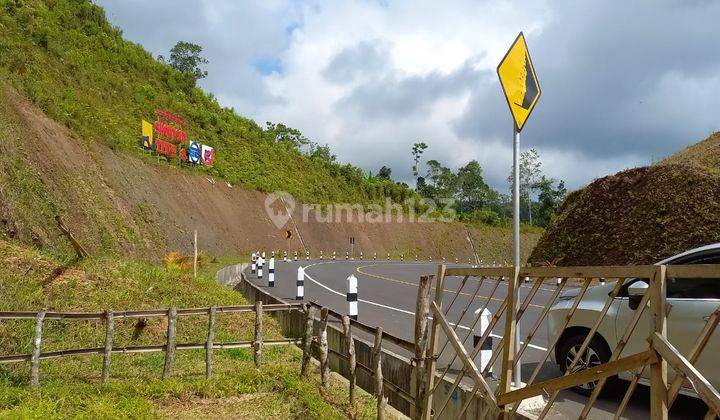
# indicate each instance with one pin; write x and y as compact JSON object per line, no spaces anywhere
{"x":595,"y":354}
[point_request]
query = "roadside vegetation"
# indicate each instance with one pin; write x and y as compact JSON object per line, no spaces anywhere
{"x":70,"y":387}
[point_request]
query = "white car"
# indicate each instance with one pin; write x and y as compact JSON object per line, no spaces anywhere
{"x":692,"y":300}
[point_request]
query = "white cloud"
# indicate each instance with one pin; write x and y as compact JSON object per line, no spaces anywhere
{"x":623,"y":82}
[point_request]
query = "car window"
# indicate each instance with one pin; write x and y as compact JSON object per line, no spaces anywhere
{"x":690,"y":288}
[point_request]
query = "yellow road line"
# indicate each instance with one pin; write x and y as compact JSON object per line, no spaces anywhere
{"x":407,"y":283}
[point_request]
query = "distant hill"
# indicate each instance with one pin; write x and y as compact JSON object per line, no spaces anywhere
{"x":641,"y":215}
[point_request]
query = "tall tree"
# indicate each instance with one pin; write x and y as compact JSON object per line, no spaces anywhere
{"x":442,"y":182}
{"x":529,"y":175}
{"x":417,"y":151}
{"x":473,"y":193}
{"x":186,"y":57}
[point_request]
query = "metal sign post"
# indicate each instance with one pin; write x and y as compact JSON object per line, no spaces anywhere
{"x":522,"y":91}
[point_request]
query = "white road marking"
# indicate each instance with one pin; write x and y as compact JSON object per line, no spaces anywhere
{"x":392,"y":308}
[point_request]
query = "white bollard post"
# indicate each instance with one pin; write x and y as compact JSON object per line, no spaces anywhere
{"x":347,"y":255}
{"x":333,"y":255}
{"x":263,"y":254}
{"x":307,"y":256}
{"x":321,"y":255}
{"x":361,"y":255}
{"x":602,"y":281}
{"x":456,"y":260}
{"x":261,"y":263}
{"x":486,"y":349}
{"x":254,"y":262}
{"x":416,"y":257}
{"x":431,"y":258}
{"x":284,"y":256}
{"x":402,"y":257}
{"x":295,"y":256}
{"x":388,"y":256}
{"x":527,"y":279}
{"x":558,"y":281}
{"x":374,"y":256}
{"x":272,"y":255}
{"x":352,"y":297}
{"x":300,"y":294}
{"x":271,"y":272}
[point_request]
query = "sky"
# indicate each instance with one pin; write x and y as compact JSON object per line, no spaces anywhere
{"x":623,"y":83}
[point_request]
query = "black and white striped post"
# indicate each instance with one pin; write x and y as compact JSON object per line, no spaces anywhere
{"x":271,"y":272}
{"x":352,"y":297}
{"x":416,"y":257}
{"x":261,"y":263}
{"x":388,"y":256}
{"x":602,"y":281}
{"x":307,"y":255}
{"x":295,"y":257}
{"x":431,"y":258}
{"x":334,"y":256}
{"x":456,"y":260}
{"x":300,"y":284}
{"x":347,"y":255}
{"x":284,"y":256}
{"x":402,"y":257}
{"x":254,"y":262}
{"x":321,"y":255}
{"x":486,"y":349}
{"x":361,"y":255}
{"x":558,"y":281}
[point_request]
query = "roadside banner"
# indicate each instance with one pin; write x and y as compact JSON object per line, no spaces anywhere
{"x":208,"y":155}
{"x":147,"y":135}
{"x":194,"y":152}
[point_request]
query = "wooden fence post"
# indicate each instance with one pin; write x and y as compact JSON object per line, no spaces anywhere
{"x":35,"y":358}
{"x":377,"y":361}
{"x":170,"y":345}
{"x":257,"y":342}
{"x":209,"y":342}
{"x":109,"y":330}
{"x":422,"y":308}
{"x":307,"y":337}
{"x":352,"y":361}
{"x":658,"y":324}
{"x":434,"y":337}
{"x":324,"y":368}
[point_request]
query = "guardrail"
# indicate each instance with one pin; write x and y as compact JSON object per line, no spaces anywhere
{"x":169,"y":347}
{"x":626,"y":352}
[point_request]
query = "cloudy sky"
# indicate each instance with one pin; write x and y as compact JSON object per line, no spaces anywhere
{"x":624,"y":83}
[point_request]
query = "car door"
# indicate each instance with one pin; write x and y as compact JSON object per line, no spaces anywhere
{"x":691,"y":302}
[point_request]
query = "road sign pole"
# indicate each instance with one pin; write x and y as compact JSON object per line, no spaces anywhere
{"x":516,"y":244}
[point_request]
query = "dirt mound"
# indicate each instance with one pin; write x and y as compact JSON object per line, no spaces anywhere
{"x":638,"y":216}
{"x":117,"y":202}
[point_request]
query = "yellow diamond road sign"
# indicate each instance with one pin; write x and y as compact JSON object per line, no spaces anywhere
{"x":519,"y":81}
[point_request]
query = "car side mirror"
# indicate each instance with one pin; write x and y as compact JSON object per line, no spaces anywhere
{"x":636,"y":291}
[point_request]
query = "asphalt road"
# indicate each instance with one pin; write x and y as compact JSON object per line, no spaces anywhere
{"x":387,"y":292}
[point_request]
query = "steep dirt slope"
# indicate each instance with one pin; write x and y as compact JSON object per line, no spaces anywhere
{"x":638,"y":216}
{"x":119,"y":202}
{"x":704,"y":154}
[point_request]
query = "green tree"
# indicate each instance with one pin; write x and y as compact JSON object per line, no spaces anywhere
{"x":186,"y":57}
{"x":530,"y":174}
{"x":549,"y":199}
{"x":442,"y":182}
{"x":473,"y":193}
{"x":385,"y":173}
{"x":321,"y":152}
{"x":282,"y":134}
{"x":417,"y":151}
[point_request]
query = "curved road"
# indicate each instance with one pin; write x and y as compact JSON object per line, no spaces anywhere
{"x":387,"y":292}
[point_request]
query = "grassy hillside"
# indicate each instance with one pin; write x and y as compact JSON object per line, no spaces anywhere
{"x":66,"y":57}
{"x":704,"y":155}
{"x":71,"y":388}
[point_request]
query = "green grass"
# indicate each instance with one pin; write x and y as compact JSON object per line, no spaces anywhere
{"x":71,"y":387}
{"x":65,"y":57}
